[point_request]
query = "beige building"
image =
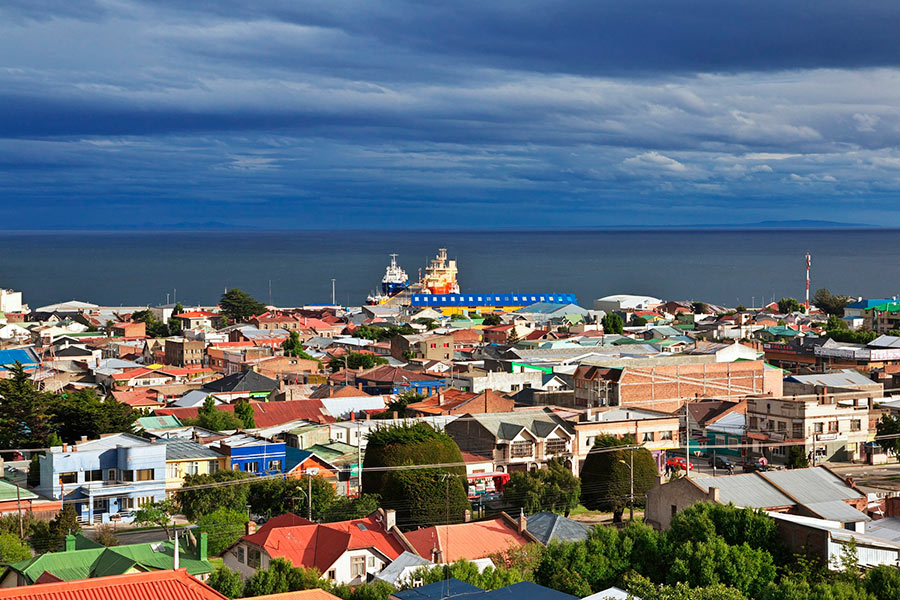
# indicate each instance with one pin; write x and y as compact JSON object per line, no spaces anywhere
{"x":656,"y":431}
{"x":185,"y":457}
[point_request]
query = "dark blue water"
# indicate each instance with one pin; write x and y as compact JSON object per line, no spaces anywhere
{"x":726,"y":267}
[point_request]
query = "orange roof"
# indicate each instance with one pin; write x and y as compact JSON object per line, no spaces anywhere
{"x":313,"y":594}
{"x":196,"y":314}
{"x":320,"y":545}
{"x":153,"y":585}
{"x":469,"y":541}
{"x":142,"y":397}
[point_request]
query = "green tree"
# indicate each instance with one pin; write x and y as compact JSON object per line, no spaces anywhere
{"x":419,"y":495}
{"x":606,"y":475}
{"x":273,"y":497}
{"x":888,"y":425}
{"x":158,"y":514}
{"x":491,"y":320}
{"x":243,"y":410}
{"x":703,"y":521}
{"x":227,"y":582}
{"x":344,"y":508}
{"x":155,"y":327}
{"x":13,"y":548}
{"x":612,"y":324}
{"x":83,"y":413}
{"x":210,"y":417}
{"x":238,"y":305}
{"x":789,"y":305}
{"x":883,"y":582}
{"x":368,"y":332}
{"x":399,"y":403}
{"x":24,"y":411}
{"x":796,"y":458}
{"x":356,"y":360}
{"x":195,"y":503}
{"x":638,"y":321}
{"x":712,"y":562}
{"x":699,"y":308}
{"x":554,"y":488}
{"x":831,"y":304}
{"x":490,"y":578}
{"x":294,"y":347}
{"x":281,"y":577}
{"x":64,"y":523}
{"x":224,"y":527}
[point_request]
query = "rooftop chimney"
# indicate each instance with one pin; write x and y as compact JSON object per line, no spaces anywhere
{"x":390,"y":519}
{"x":70,"y":543}
{"x":250,"y":528}
{"x":714,"y":494}
{"x":523,"y":522}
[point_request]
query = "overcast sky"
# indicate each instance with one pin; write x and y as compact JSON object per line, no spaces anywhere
{"x":468,"y":114}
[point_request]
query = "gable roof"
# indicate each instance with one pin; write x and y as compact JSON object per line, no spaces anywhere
{"x":246,"y":381}
{"x":469,"y":541}
{"x":266,"y":414}
{"x":153,"y":585}
{"x":506,"y":426}
{"x":551,"y":527}
{"x":438,"y":590}
{"x":389,"y":374}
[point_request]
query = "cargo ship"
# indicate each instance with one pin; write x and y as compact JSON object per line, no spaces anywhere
{"x":440,"y":276}
{"x":394,"y":281}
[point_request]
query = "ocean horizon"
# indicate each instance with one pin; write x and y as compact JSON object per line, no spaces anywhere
{"x":728,"y":266}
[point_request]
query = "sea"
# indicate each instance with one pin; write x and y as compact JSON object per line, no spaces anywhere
{"x":293,"y":268}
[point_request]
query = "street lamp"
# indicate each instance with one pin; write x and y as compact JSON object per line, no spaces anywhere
{"x":630,"y":465}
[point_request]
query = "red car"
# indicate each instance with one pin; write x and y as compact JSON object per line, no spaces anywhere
{"x":679,"y":462}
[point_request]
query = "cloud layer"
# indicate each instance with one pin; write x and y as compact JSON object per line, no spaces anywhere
{"x":404,"y":114}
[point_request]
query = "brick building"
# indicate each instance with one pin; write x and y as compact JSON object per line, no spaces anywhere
{"x":424,"y":346}
{"x":183,"y":352}
{"x":458,"y":402}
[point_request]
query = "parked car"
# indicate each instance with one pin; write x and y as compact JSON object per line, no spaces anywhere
{"x":679,"y":462}
{"x":720,"y":462}
{"x":750,"y":467}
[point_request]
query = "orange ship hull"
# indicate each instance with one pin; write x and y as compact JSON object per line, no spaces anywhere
{"x":447,"y":288}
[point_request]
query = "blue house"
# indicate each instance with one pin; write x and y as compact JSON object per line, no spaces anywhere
{"x":396,"y":380}
{"x":252,"y":454}
{"x":105,"y":477}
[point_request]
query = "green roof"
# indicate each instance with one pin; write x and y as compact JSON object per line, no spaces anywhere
{"x":161,"y":422}
{"x":84,"y":563}
{"x":8,"y":492}
{"x":333,"y":451}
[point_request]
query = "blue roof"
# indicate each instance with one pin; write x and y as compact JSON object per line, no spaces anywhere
{"x":438,"y":590}
{"x":526,"y":589}
{"x":26,"y":356}
{"x":421,"y":300}
{"x":869,"y":303}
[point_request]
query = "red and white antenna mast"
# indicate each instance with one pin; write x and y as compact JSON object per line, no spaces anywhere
{"x":808,"y":262}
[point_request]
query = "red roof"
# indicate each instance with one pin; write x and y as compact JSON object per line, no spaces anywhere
{"x":320,"y":545}
{"x":142,"y":397}
{"x":153,"y":585}
{"x":466,"y":540}
{"x":196,"y":314}
{"x":266,"y":414}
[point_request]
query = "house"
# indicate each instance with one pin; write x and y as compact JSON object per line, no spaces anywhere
{"x":198,"y":319}
{"x":251,"y":454}
{"x":14,"y":498}
{"x":133,"y":330}
{"x":344,"y":552}
{"x":266,"y":414}
{"x":167,"y":584}
{"x":187,"y":457}
{"x":183,"y":352}
{"x":396,"y":380}
{"x":427,"y":346}
{"x":103,"y":477}
{"x":250,"y":383}
{"x":499,"y":381}
{"x":402,"y":570}
{"x":445,"y":544}
{"x":813,"y":492}
{"x":521,"y":440}
{"x":448,"y":588}
{"x":458,"y":402}
{"x":550,"y":527}
{"x":83,"y":558}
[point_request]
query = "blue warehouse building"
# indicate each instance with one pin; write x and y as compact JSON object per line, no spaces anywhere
{"x":457,"y":303}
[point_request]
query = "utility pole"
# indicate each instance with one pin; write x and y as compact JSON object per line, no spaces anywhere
{"x":631,"y":491}
{"x":359,"y":458}
{"x":687,"y":444}
{"x":309,"y":491}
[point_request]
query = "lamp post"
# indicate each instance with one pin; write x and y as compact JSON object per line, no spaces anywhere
{"x":630,"y":465}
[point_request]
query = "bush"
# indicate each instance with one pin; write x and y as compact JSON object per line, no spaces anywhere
{"x":106,"y":535}
{"x":224,"y":527}
{"x":606,"y":475}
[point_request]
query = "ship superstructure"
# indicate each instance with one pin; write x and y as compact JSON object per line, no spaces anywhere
{"x":395,"y":280}
{"x":440,"y":275}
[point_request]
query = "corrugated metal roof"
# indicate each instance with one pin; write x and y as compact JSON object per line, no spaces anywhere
{"x":747,"y":490}
{"x":168,"y":584}
{"x":187,"y":450}
{"x":812,"y":485}
{"x":842,"y":378}
{"x":836,"y":510}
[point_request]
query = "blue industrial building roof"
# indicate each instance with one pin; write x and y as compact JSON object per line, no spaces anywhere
{"x":865,"y":304}
{"x":421,"y":300}
{"x":438,"y":590}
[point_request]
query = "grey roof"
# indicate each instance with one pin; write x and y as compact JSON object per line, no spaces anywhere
{"x":247,"y":381}
{"x":612,"y":593}
{"x":187,"y":449}
{"x":394,"y":571}
{"x":885,"y":341}
{"x":439,"y":590}
{"x":842,"y":378}
{"x":747,"y":490}
{"x":506,"y":426}
{"x":835,"y":510}
{"x":812,"y":485}
{"x":549,"y":527}
{"x":191,"y":398}
{"x":125,"y":440}
{"x":887,"y":528}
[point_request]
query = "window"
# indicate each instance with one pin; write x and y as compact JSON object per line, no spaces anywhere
{"x":240,"y":555}
{"x":782,"y":426}
{"x":357,"y":566}
{"x":173,"y":471}
{"x":251,"y":467}
{"x":193,"y":468}
{"x":126,"y":503}
{"x":253,"y":558}
{"x":648,"y":436}
{"x":67,"y":478}
{"x":832,"y":426}
{"x":555,"y":446}
{"x":95,"y":475}
{"x":665,"y":435}
{"x":332,"y":574}
{"x":855,"y":425}
{"x":521,"y":449}
{"x":674,"y":510}
{"x":127,"y":475}
{"x":144,"y":474}
{"x":213,"y":466}
{"x":754,"y":423}
{"x":798,"y":431}
{"x":275,"y":466}
{"x":818,"y":427}
{"x":371,"y":561}
{"x":111,"y":475}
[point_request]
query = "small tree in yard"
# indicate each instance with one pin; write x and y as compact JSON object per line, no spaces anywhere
{"x":239,"y":306}
{"x":227,"y":582}
{"x":106,"y":535}
{"x":612,"y":324}
{"x":606,"y":475}
{"x":13,"y":548}
{"x":198,"y":502}
{"x":158,"y":514}
{"x":224,"y":527}
{"x":796,"y":458}
{"x":243,"y":410}
{"x":554,"y":488}
{"x":889,"y":425}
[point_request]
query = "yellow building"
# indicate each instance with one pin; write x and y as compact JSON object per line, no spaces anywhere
{"x":186,"y":457}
